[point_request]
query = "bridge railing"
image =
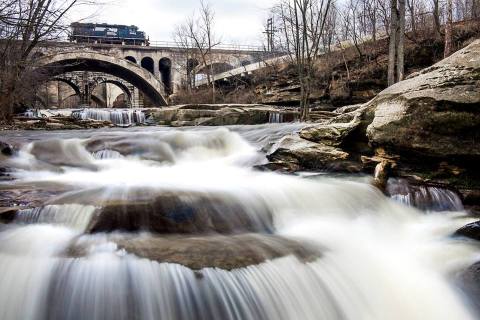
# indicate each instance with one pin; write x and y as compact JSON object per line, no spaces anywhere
{"x":222,"y":46}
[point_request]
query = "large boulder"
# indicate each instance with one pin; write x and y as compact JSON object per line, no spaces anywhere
{"x":435,"y":112}
{"x":181,"y":213}
{"x":293,"y":153}
{"x":471,"y":230}
{"x":335,"y":131}
{"x":6,"y":149}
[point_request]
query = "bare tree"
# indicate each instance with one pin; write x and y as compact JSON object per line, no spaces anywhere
{"x":198,"y":32}
{"x":24,"y":24}
{"x":401,"y":41}
{"x":188,"y":62}
{"x":353,"y":24}
{"x":448,"y":30}
{"x":303,"y":24}
{"x":392,"y":51}
{"x":412,"y":12}
{"x":436,"y":18}
{"x":207,"y":16}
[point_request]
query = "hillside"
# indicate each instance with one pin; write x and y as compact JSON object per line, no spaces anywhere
{"x":343,"y":77}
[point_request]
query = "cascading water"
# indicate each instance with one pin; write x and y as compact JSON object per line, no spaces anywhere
{"x":275,"y":117}
{"x":424,"y":197}
{"x":119,"y":117}
{"x":32,"y":113}
{"x":175,"y":224}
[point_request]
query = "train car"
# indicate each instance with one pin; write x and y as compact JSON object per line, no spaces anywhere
{"x":107,"y":33}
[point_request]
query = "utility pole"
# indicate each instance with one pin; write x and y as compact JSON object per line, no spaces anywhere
{"x":270,"y":32}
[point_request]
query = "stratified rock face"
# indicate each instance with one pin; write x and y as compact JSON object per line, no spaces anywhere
{"x":436,"y":112}
{"x":218,"y":114}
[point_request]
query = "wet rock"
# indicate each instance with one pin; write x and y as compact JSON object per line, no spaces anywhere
{"x":294,"y":152}
{"x":381,"y":175}
{"x":6,"y":149}
{"x":471,"y":200}
{"x":25,"y":196}
{"x":215,"y":251}
{"x":435,"y":112}
{"x":7,"y":214}
{"x":59,"y":152}
{"x":469,"y":281}
{"x":181,"y":212}
{"x":471,"y":230}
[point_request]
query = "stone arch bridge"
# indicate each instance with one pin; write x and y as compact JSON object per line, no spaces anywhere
{"x":142,"y":75}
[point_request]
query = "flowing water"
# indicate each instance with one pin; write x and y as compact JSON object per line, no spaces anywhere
{"x":157,"y":223}
{"x":119,"y":117}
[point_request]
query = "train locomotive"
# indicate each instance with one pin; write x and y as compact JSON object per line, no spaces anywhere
{"x":108,"y":34}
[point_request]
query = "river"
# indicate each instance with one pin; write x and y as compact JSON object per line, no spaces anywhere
{"x":163,"y":223}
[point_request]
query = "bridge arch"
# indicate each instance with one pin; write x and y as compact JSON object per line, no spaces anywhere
{"x":148,"y":64}
{"x":165,"y":68}
{"x":126,"y":91}
{"x":72,"y":85}
{"x":57,"y":64}
{"x":131,"y":59}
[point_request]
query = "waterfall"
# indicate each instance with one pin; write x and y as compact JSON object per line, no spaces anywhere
{"x":119,"y":117}
{"x":424,"y":197}
{"x":32,"y":113}
{"x":176,"y":224}
{"x":107,"y":154}
{"x":72,"y":215}
{"x":275,"y":117}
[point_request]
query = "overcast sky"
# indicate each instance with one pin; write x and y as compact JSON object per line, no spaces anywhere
{"x":236,"y":21}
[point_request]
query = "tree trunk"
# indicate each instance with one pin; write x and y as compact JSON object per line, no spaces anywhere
{"x":212,"y":81}
{"x":413,"y":24}
{"x":401,"y":41}
{"x":448,"y":30}
{"x":393,"y":42}
{"x":436,"y":18}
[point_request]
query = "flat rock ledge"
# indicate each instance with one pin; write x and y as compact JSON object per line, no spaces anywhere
{"x":211,"y":251}
{"x":219,"y":114}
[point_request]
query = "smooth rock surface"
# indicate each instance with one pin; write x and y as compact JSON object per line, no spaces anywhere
{"x":182,"y":212}
{"x":211,"y":251}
